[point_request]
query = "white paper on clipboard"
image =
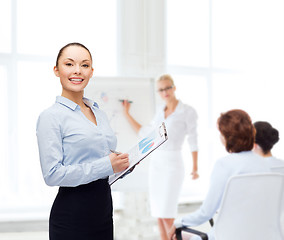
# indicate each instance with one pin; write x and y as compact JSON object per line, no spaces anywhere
{"x":141,"y":150}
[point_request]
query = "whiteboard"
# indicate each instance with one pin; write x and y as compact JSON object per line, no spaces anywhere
{"x":107,"y":91}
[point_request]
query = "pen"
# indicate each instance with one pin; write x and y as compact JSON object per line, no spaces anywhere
{"x":122,"y":100}
{"x":115,"y":152}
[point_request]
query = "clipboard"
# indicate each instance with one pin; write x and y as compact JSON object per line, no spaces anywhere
{"x":141,"y":150}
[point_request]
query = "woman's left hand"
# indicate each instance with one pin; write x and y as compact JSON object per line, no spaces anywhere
{"x":195,"y":175}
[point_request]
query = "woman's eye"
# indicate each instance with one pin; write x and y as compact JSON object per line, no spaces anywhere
{"x":68,"y":64}
{"x":85,"y":65}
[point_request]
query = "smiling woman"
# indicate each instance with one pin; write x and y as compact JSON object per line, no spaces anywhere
{"x":74,"y":68}
{"x":74,"y":139}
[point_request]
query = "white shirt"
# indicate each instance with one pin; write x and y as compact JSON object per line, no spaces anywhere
{"x":179,"y":124}
{"x":277,"y":165}
{"x":226,"y":167}
{"x":275,"y":162}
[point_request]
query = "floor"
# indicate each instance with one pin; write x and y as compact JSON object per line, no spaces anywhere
{"x":135,"y":220}
{"x":24,"y":236}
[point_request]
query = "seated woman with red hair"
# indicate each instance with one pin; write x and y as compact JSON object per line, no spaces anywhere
{"x":237,"y":134}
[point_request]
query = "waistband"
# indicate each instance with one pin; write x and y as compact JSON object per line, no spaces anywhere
{"x":86,"y":187}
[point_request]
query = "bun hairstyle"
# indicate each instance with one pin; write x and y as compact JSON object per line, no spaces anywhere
{"x":266,"y":136}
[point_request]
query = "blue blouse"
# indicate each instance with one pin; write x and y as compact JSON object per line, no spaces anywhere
{"x":72,"y":149}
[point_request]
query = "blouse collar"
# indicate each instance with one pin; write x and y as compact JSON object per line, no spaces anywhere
{"x":72,"y":105}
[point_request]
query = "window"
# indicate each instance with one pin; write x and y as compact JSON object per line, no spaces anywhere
{"x":27,"y":55}
{"x":247,"y":34}
{"x":55,"y":23}
{"x":5,"y":26}
{"x":4,"y":136}
{"x":248,"y":38}
{"x":188,"y":33}
{"x":232,"y":54}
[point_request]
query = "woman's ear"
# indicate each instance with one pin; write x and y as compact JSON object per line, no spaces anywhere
{"x":92,"y":72}
{"x":55,"y":70}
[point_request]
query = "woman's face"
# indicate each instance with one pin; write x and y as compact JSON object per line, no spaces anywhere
{"x":74,"y":69}
{"x":166,"y":90}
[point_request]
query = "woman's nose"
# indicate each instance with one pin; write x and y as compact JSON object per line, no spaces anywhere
{"x":77,"y":69}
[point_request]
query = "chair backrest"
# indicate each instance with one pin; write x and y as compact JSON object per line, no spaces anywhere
{"x":252,"y":208}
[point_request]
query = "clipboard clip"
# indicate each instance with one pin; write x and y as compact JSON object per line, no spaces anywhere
{"x":162,"y":130}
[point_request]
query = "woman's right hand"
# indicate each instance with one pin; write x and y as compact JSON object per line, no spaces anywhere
{"x":126,"y":106}
{"x":119,"y":162}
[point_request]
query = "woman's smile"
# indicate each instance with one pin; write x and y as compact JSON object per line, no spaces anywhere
{"x":76,"y":80}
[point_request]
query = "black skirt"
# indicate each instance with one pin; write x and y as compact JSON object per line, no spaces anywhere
{"x":82,"y":213}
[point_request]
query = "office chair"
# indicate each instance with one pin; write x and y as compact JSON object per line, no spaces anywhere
{"x":252,"y":208}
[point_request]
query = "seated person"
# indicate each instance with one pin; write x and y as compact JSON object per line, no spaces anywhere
{"x":265,"y":138}
{"x":237,"y":134}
